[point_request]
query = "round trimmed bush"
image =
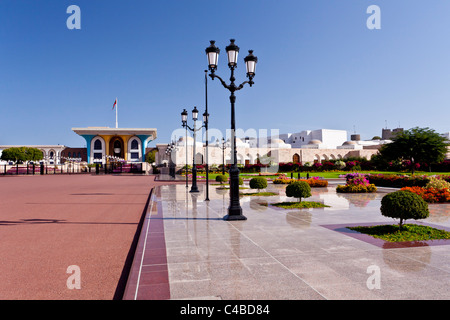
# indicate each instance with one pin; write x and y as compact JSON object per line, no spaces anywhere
{"x":404,"y":205}
{"x":221,"y":178}
{"x":298,"y":189}
{"x":340,"y":165}
{"x":241,"y":181}
{"x":258,"y":183}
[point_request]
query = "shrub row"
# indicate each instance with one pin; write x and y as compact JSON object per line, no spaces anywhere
{"x":396,"y":181}
{"x":313,"y":183}
{"x":356,"y":188}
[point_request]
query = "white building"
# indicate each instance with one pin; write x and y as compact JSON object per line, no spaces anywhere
{"x":305,"y":146}
{"x":321,"y":138}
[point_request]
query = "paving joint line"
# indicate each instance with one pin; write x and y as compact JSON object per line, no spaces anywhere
{"x":271,"y":256}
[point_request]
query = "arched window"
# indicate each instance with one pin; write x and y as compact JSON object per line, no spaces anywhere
{"x":79,"y":155}
{"x":296,"y":158}
{"x":97,"y":145}
{"x":97,"y":150}
{"x":134,"y":149}
{"x":70,"y":154}
{"x":51,"y":154}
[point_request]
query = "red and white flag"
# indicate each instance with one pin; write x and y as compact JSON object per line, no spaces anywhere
{"x":115,"y":103}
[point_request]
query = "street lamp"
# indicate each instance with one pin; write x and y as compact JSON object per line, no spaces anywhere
{"x":205,"y":124}
{"x":194,"y":187}
{"x":172,"y":167}
{"x":212,"y":53}
{"x":223,"y":147}
{"x":184,"y":116}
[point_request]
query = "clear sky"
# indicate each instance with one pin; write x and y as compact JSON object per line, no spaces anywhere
{"x":319,"y":66}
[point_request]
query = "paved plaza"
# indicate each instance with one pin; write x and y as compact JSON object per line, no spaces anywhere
{"x":51,"y":222}
{"x":187,"y":251}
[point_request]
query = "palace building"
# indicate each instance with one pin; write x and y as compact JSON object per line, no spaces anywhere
{"x":125,"y":143}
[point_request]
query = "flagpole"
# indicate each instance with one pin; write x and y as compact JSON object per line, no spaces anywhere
{"x":117,"y":106}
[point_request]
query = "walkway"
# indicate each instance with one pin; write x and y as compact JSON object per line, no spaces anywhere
{"x":186,"y":251}
{"x":51,"y":222}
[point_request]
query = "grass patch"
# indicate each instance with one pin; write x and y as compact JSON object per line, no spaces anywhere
{"x":323,"y":174}
{"x":299,"y":205}
{"x":228,"y":188}
{"x":258,"y":194}
{"x":409,"y":232}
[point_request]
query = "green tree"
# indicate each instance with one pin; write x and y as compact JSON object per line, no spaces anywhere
{"x":298,"y":189}
{"x":404,"y":205}
{"x":21,"y":154}
{"x":150,"y":156}
{"x":33,"y":154}
{"x":258,"y":183}
{"x":418,"y":145}
{"x":16,"y":154}
{"x":221,"y":178}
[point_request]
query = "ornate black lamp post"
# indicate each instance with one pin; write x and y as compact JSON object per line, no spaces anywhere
{"x":184,"y":115}
{"x":212,"y":52}
{"x":205,"y":125}
{"x":170,"y":148}
{"x":223,"y":147}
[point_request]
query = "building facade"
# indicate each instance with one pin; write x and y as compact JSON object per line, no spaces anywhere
{"x":51,"y":153}
{"x":274,"y":152}
{"x":80,"y":154}
{"x":128,"y":144}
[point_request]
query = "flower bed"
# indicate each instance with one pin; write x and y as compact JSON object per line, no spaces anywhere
{"x":348,"y":188}
{"x":430,"y":195}
{"x":356,"y":183}
{"x":397,"y":181}
{"x":436,"y":190}
{"x":314,"y":182}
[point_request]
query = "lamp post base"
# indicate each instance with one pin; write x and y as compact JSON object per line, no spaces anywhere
{"x":194,"y":189}
{"x":234,"y":217}
{"x":235,"y":209}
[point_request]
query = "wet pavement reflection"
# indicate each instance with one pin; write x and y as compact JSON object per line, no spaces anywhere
{"x":292,"y":254}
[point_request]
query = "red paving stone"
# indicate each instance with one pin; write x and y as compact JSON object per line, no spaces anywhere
{"x":149,"y":272}
{"x":48,"y":223}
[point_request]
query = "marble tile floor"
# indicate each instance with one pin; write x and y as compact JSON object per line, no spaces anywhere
{"x":187,"y":251}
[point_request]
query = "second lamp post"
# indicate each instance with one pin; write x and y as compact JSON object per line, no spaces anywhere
{"x":184,"y":115}
{"x":212,"y":52}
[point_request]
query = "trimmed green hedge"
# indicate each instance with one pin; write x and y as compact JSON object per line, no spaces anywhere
{"x":396,"y":181}
{"x":258,"y":183}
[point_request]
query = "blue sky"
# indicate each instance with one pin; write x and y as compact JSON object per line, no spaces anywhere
{"x":319,"y":66}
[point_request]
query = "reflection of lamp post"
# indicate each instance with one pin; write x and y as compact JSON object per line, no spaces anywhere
{"x":212,"y":52}
{"x":223,"y":148}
